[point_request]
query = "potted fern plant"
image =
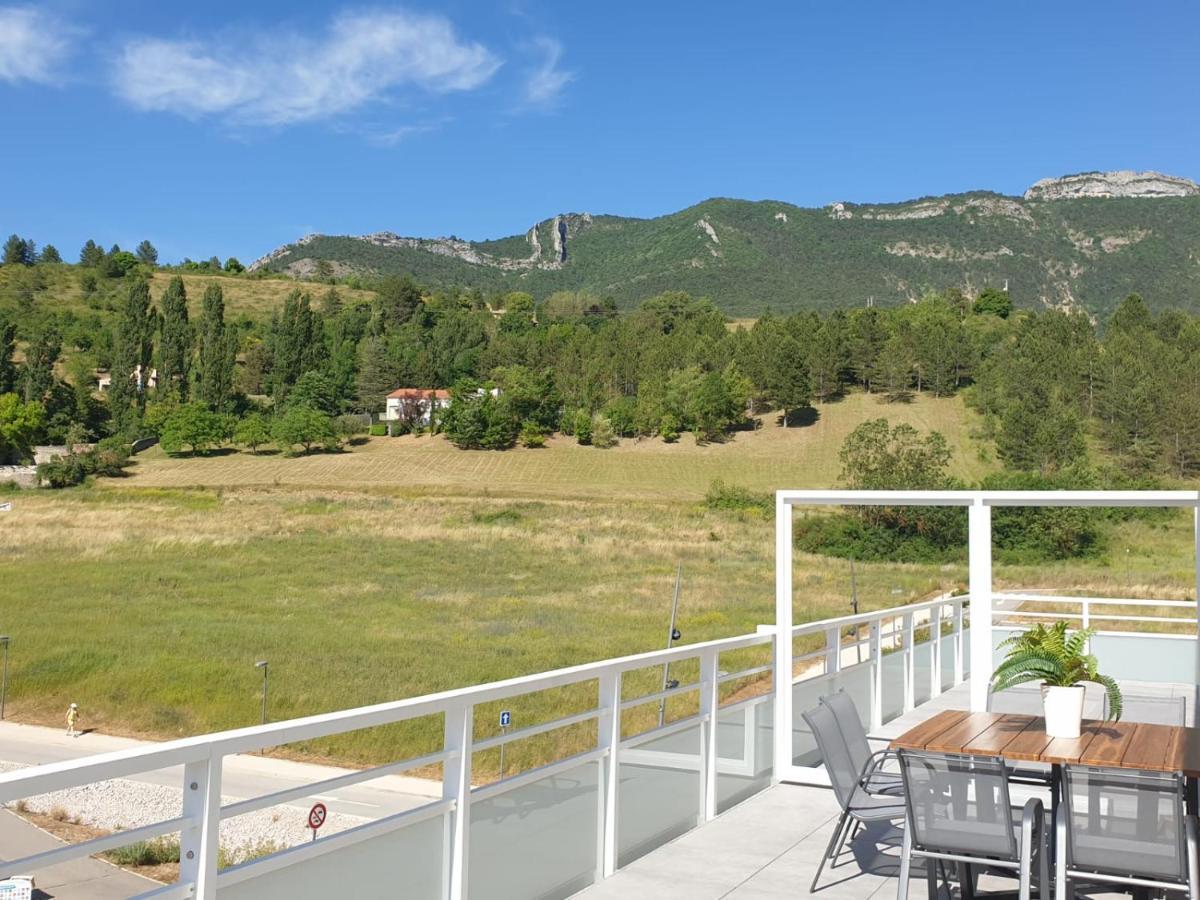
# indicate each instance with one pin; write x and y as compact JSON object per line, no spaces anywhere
{"x":1058,"y":661}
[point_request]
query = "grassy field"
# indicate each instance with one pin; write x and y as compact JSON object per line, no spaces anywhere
{"x":767,"y":459}
{"x":405,"y":567}
{"x":252,"y":297}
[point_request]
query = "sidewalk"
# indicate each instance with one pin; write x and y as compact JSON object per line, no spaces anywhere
{"x":244,"y":776}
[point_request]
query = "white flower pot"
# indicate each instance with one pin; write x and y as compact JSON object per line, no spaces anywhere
{"x":1064,"y":710}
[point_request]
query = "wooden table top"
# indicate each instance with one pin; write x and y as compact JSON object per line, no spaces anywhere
{"x":1125,"y":745}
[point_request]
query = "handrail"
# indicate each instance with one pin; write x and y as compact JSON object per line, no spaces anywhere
{"x":1103,"y":601}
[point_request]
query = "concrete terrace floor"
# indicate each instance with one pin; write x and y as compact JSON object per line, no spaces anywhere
{"x":770,"y":845}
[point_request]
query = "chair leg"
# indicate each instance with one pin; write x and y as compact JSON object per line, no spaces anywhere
{"x":905,"y":862}
{"x":1061,"y":883}
{"x":1043,"y":852}
{"x":932,"y":867}
{"x":848,"y":825}
{"x":834,"y":840}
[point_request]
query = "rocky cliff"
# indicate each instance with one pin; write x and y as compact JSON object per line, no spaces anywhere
{"x":1109,"y":185}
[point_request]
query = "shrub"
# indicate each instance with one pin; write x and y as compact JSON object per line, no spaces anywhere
{"x":109,"y":458}
{"x":160,"y":851}
{"x":734,"y":497}
{"x":668,"y":429}
{"x":378,"y":429}
{"x":532,"y":435}
{"x":602,"y":433}
{"x":583,"y":427}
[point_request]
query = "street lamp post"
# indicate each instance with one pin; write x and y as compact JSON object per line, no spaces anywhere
{"x":262,"y":664}
{"x":4,"y":679}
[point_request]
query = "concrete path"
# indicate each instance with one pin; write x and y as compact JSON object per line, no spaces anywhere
{"x":244,"y":776}
{"x":80,"y":879}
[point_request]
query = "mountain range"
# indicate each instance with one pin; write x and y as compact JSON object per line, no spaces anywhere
{"x":1082,"y":241}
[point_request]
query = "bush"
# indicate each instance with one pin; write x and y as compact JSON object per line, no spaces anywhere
{"x":532,"y":436}
{"x":583,"y":427}
{"x":146,"y":853}
{"x":602,"y":433}
{"x":668,"y":429}
{"x":109,"y":459}
{"x":378,"y":429}
{"x":733,"y":497}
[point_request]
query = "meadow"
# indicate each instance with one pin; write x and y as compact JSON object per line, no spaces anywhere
{"x":405,"y":566}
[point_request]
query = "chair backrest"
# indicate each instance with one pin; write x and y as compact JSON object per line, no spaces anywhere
{"x":1023,"y":700}
{"x":850,"y":723}
{"x":1150,"y":710}
{"x":843,"y":774}
{"x":1122,"y":822}
{"x":958,"y":804}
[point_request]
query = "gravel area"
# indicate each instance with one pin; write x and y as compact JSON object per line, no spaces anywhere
{"x":121,"y":804}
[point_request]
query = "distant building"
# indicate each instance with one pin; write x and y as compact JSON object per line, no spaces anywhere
{"x":104,"y":380}
{"x":415,"y":405}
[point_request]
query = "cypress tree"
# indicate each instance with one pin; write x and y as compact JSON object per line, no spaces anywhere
{"x":131,"y":354}
{"x":218,"y":351}
{"x":175,"y":344}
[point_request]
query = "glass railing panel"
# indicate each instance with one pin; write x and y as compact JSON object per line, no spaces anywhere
{"x":411,"y":856}
{"x":855,"y":680}
{"x":1143,"y":657}
{"x":893,"y":685}
{"x":538,"y":840}
{"x":658,"y":792}
{"x":922,"y":664}
{"x":744,"y":751}
{"x":947,"y":648}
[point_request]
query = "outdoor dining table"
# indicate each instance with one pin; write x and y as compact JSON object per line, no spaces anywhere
{"x":1020,"y":738}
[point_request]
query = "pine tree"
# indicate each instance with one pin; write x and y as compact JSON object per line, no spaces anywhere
{"x":132,"y":348}
{"x":146,"y":253}
{"x":19,"y":252}
{"x":50,"y":254}
{"x":92,"y":255}
{"x":218,"y":352}
{"x":37,"y":372}
{"x":175,"y":344}
{"x":8,"y":369}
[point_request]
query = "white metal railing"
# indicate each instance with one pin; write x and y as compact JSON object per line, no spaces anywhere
{"x":201,"y":758}
{"x":1010,"y":608}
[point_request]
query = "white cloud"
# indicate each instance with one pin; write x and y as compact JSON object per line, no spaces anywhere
{"x":282,"y":80}
{"x":33,"y":45}
{"x":545,"y":84}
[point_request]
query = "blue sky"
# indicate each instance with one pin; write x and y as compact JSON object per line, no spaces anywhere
{"x":230,"y":128}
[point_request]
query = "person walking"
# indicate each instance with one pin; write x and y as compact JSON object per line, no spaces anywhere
{"x":72,"y":718}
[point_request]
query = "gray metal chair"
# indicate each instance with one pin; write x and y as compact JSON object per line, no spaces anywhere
{"x":1128,"y":828}
{"x":868,"y":763}
{"x":959,"y":811}
{"x":858,"y":805}
{"x":1150,"y":710}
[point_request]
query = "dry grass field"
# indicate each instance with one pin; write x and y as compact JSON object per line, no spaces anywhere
{"x":765,"y":460}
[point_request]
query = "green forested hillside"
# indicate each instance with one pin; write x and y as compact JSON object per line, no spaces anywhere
{"x":1079,"y":253}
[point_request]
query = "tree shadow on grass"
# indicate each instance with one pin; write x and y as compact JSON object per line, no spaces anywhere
{"x":800,"y":418}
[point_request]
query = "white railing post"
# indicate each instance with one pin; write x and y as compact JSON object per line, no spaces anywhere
{"x":1085,"y":620}
{"x":959,"y":667}
{"x":709,"y":713}
{"x":1196,"y":595}
{"x":979,"y":521}
{"x":876,"y":646}
{"x":456,"y":784}
{"x":935,"y":651}
{"x":909,"y":663}
{"x":199,"y":843}
{"x":610,"y":738}
{"x":833,"y":651}
{"x":782,"y":682}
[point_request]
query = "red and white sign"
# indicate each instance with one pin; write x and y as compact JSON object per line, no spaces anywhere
{"x":316,"y":816}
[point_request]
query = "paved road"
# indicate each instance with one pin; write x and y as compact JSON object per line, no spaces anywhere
{"x":243,"y":776}
{"x":80,"y":879}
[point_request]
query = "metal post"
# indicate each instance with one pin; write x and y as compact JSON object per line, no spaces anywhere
{"x":456,"y":785}
{"x":610,"y":737}
{"x":199,"y":842}
{"x":783,"y":638}
{"x":833,"y":650}
{"x":709,"y":713}
{"x":262,"y":664}
{"x":959,"y":666}
{"x":935,"y":651}
{"x":4,"y":681}
{"x":854,"y":609}
{"x":672,"y":636}
{"x":876,"y":647}
{"x":910,"y":673}
{"x":979,"y":521}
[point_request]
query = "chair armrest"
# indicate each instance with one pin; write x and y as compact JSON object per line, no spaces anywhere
{"x":1033,"y":815}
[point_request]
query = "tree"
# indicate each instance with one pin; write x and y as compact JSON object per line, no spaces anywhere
{"x":92,"y":255}
{"x":314,"y":390}
{"x":193,"y":426}
{"x":1038,"y":432}
{"x":252,"y":432}
{"x":37,"y":372}
{"x":395,"y":303}
{"x":50,"y":254}
{"x":785,"y":379}
{"x":19,"y":251}
{"x":20,"y":424}
{"x":233,"y":266}
{"x":218,"y":352}
{"x":175,"y":343}
{"x":118,"y":263}
{"x":602,"y":433}
{"x":992,"y":302}
{"x":131,"y":355}
{"x":477,"y":420}
{"x":895,"y":368}
{"x":303,"y":426}
{"x":146,"y":253}
{"x":8,"y":369}
{"x":296,"y":339}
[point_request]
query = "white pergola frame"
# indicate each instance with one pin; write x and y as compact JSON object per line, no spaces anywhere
{"x":979,"y":506}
